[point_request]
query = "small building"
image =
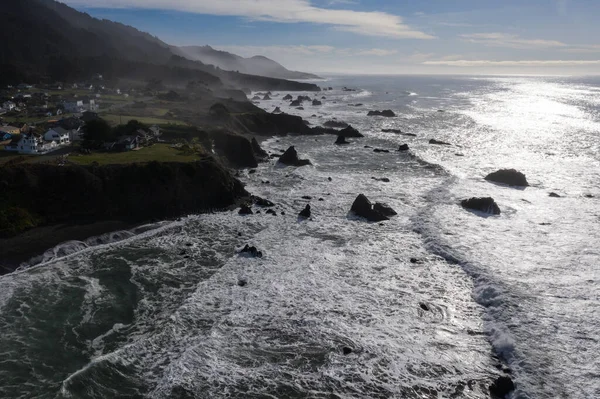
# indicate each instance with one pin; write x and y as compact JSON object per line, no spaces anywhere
{"x":34,"y":144}
{"x":10,"y":129}
{"x":58,"y":135}
{"x":9,"y":105}
{"x":129,"y":143}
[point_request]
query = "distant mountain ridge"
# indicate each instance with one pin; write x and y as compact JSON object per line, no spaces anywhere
{"x":45,"y":40}
{"x":257,"y":65}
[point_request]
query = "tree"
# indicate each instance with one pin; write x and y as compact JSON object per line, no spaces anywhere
{"x":96,"y":133}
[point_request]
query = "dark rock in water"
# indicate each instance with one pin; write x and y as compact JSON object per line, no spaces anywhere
{"x":255,"y":98}
{"x":307,"y":197}
{"x":277,"y":110}
{"x":380,"y":150}
{"x":266,"y":97}
{"x":242,"y":282}
{"x":458,"y":154}
{"x":358,"y":105}
{"x":384,"y":209}
{"x":304,"y":98}
{"x":335,"y":124}
{"x":554,"y":195}
{"x":382,"y":179}
{"x":415,"y":261}
{"x":424,"y":306}
{"x":288,"y":97}
{"x":313,"y":116}
{"x":367,"y":146}
{"x":189,"y":244}
{"x":589,"y":195}
{"x":349,"y":131}
{"x":282,"y":213}
{"x":330,"y":88}
{"x":403,"y":147}
{"x":362,"y":207}
{"x":487,"y":205}
{"x":305,"y":212}
{"x":245,"y":210}
{"x":301,"y":109}
{"x":252,"y":171}
{"x":330,"y":179}
{"x":502,"y":387}
{"x":341,"y":140}
{"x":271,"y":212}
{"x":317,"y":102}
{"x":252,"y":251}
{"x":437,"y":142}
{"x":440,"y":110}
{"x":392,"y":131}
{"x":321,"y":199}
{"x":296,"y":103}
{"x":266,"y":182}
{"x":258,"y":151}
{"x":346,"y":350}
{"x":323,"y":98}
{"x":388,"y":113}
{"x":510,"y":177}
{"x":290,"y":157}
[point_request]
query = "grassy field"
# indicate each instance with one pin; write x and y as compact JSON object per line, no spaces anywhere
{"x":157,"y":152}
{"x":116,"y":119}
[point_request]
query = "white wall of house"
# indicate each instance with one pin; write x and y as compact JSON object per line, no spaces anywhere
{"x":57,"y":137}
{"x":34,"y":145}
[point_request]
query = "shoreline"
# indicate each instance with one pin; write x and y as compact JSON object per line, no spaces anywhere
{"x":16,"y":250}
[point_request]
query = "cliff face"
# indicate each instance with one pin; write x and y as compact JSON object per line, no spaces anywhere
{"x":36,"y":195}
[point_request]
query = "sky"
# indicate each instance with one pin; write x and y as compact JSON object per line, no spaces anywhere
{"x":528,"y":37}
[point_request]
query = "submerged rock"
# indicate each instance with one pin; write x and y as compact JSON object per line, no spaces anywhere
{"x":346,"y":350}
{"x":511,"y":177}
{"x":335,"y":124}
{"x":502,"y":387}
{"x":341,"y":140}
{"x":486,"y":205}
{"x":362,"y":207}
{"x":252,"y":251}
{"x":288,"y":97}
{"x":266,"y":97}
{"x":317,"y":102}
{"x":271,"y":212}
{"x":398,"y":131}
{"x":379,"y":150}
{"x":290,"y":157}
{"x":403,"y":147}
{"x":296,"y":103}
{"x":305,"y":213}
{"x":438,"y":142}
{"x":388,"y":113}
{"x":554,"y":195}
{"x":382,"y":179}
{"x":277,"y":110}
{"x":245,"y":210}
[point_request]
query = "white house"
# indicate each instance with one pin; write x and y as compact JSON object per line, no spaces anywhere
{"x":9,"y":105}
{"x":35,"y":145}
{"x":73,"y":106}
{"x":58,"y":135}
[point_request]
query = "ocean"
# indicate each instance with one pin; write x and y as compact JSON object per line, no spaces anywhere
{"x":335,"y":308}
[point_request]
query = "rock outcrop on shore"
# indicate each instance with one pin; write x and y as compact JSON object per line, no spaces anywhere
{"x":509,"y":177}
{"x":335,"y":124}
{"x":257,"y":149}
{"x":485,"y":205}
{"x":350,"y":132}
{"x":341,"y":140}
{"x":364,"y":208}
{"x":237,"y":150}
{"x":388,"y":113}
{"x":290,"y":158}
{"x":288,"y":97}
{"x":134,"y":192}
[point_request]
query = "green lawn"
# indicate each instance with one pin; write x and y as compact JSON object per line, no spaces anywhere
{"x":117,"y":119}
{"x":157,"y":152}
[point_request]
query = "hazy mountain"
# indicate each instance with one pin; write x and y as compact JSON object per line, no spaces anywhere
{"x":44,"y":40}
{"x":257,"y":65}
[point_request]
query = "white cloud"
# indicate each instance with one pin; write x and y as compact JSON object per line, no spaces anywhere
{"x":371,"y":23}
{"x":511,"y":41}
{"x":523,"y":63}
{"x":592,"y":48}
